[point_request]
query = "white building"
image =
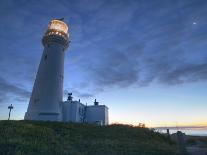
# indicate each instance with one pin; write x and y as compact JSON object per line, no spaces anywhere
{"x":46,"y":101}
{"x":97,"y":114}
{"x":75,"y":111}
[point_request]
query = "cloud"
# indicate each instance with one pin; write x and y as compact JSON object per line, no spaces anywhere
{"x":78,"y":93}
{"x":163,"y":46}
{"x":116,"y":68}
{"x":113,"y":43}
{"x":186,"y":73}
{"x":7,"y":89}
{"x":85,"y":95}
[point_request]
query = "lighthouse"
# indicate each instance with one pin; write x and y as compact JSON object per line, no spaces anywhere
{"x":47,"y":94}
{"x":46,"y":101}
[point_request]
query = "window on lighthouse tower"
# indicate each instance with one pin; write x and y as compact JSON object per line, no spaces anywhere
{"x":45,"y":57}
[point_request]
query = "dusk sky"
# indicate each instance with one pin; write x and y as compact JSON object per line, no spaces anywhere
{"x":145,"y":59}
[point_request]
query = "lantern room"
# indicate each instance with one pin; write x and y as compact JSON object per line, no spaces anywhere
{"x":58,"y":25}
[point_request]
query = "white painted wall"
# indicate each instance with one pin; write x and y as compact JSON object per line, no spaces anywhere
{"x":73,"y":111}
{"x":97,"y":114}
{"x":47,"y":93}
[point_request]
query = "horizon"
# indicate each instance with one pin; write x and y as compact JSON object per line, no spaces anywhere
{"x":146,"y":61}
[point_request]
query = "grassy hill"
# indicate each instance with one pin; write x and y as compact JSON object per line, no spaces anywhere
{"x":35,"y":137}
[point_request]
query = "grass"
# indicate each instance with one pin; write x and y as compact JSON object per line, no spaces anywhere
{"x":36,"y":138}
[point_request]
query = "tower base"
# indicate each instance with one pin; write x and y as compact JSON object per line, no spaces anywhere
{"x":43,"y":116}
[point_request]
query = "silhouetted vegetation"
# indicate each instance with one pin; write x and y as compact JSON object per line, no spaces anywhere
{"x":34,"y":137}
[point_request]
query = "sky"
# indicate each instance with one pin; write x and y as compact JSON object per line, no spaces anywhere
{"x":145,"y":60}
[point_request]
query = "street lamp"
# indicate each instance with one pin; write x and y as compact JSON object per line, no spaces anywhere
{"x":10,"y":108}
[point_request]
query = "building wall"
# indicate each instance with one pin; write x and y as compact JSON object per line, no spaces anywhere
{"x":97,"y":114}
{"x":48,"y":87}
{"x":74,"y":111}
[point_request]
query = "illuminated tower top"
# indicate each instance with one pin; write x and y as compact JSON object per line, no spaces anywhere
{"x":57,"y":32}
{"x":58,"y":25}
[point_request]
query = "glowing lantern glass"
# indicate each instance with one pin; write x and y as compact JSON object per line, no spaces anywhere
{"x":58,"y":25}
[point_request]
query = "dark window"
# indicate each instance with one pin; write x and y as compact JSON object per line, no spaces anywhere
{"x":61,"y":77}
{"x":45,"y":57}
{"x":36,"y":100}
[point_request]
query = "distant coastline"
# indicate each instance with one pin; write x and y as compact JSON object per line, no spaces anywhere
{"x":188,"y":130}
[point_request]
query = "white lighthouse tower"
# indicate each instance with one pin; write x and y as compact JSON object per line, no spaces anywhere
{"x":47,"y":93}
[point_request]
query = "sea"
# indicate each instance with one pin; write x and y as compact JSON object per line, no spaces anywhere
{"x":193,"y":131}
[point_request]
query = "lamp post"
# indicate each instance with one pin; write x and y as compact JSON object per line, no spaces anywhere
{"x":10,"y":108}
